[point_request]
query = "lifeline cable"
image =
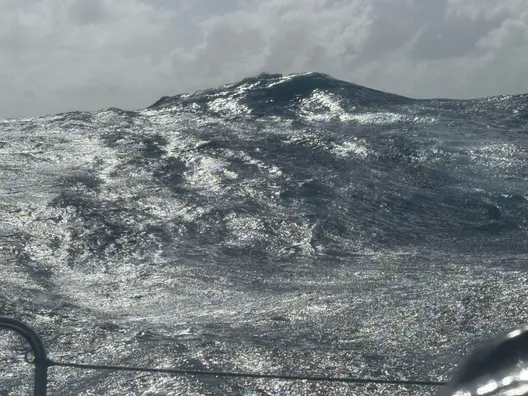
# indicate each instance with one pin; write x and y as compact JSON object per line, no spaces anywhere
{"x":42,"y":363}
{"x":51,"y":363}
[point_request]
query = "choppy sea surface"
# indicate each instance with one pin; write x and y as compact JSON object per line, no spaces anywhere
{"x":284,"y":224}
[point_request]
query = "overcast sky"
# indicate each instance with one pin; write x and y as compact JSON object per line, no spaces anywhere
{"x":63,"y":55}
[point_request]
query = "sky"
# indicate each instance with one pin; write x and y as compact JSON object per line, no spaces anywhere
{"x":64,"y":55}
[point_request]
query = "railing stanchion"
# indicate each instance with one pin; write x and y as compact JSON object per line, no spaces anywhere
{"x":41,"y":361}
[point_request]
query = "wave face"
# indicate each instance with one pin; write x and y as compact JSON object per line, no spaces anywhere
{"x":277,"y":217}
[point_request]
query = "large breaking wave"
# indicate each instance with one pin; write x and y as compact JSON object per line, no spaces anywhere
{"x":235,"y":197}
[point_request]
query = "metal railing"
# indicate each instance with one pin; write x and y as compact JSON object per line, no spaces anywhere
{"x":42,"y":363}
{"x":41,"y":360}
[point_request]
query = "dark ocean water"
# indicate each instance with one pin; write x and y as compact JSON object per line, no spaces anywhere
{"x":292,"y":224}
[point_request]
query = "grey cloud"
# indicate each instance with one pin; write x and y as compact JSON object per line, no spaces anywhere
{"x":86,"y":12}
{"x":510,"y":33}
